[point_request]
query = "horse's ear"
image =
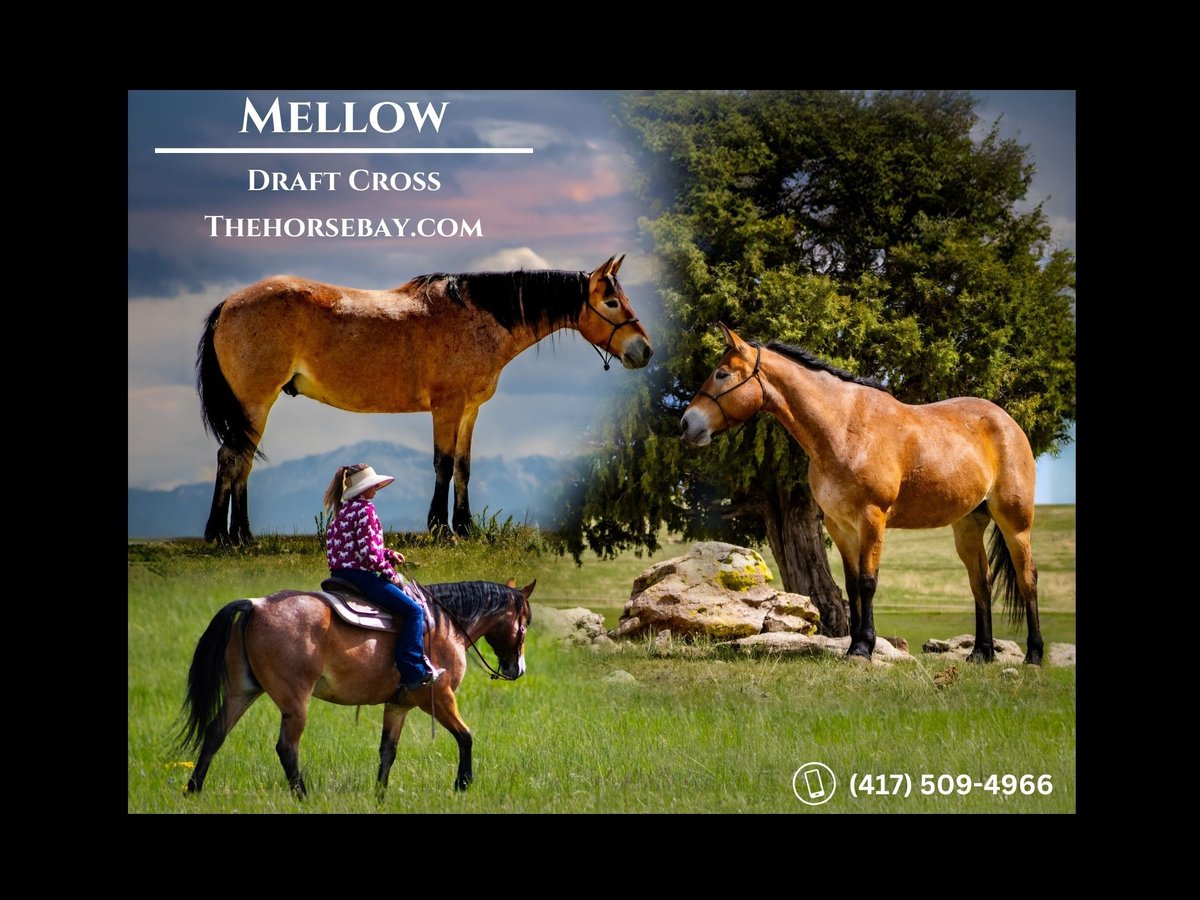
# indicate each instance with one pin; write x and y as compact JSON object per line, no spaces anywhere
{"x":528,"y":589}
{"x":617,"y":265}
{"x":603,"y":270}
{"x":734,"y":341}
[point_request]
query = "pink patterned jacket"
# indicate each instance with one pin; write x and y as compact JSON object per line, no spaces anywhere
{"x":355,"y":540}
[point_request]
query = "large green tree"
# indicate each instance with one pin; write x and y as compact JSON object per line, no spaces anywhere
{"x":882,"y":232}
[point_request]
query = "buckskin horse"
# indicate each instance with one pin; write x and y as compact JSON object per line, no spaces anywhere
{"x":436,"y":344}
{"x":875,"y":462}
{"x":293,"y":647}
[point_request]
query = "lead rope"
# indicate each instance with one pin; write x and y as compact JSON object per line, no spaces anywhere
{"x":607,"y":355}
{"x":602,"y":355}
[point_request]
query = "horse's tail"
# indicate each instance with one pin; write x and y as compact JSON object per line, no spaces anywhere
{"x":224,"y":416}
{"x":208,"y":680}
{"x":1004,"y":578}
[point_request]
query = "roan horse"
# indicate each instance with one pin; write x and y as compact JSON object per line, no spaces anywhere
{"x":292,"y":647}
{"x":435,"y":344}
{"x":875,"y":462}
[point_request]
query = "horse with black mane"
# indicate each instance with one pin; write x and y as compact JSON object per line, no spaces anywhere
{"x":293,"y":647}
{"x":877,"y":463}
{"x":436,"y":344}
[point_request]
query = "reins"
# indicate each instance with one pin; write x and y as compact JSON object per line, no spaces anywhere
{"x":753,"y":376}
{"x":472,"y":645}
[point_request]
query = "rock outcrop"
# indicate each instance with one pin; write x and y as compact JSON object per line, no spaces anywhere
{"x":718,"y":590}
{"x":573,"y":626}
{"x":780,"y":644}
{"x":1007,"y":652}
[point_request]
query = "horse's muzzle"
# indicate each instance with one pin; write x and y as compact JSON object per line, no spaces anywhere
{"x":513,"y":671}
{"x":636,"y":353}
{"x":694,"y":430}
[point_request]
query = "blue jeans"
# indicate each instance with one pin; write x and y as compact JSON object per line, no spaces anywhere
{"x":410,"y":620}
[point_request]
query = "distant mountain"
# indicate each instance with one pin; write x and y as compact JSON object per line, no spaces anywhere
{"x":286,"y":498}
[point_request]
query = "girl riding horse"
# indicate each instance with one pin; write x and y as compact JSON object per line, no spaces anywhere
{"x":354,"y":545}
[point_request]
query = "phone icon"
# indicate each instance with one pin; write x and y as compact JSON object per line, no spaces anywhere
{"x":812,"y":780}
{"x":818,"y":785}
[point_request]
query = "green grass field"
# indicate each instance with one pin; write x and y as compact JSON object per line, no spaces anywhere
{"x":692,"y":734}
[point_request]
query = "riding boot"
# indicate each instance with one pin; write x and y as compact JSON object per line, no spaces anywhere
{"x":435,"y":673}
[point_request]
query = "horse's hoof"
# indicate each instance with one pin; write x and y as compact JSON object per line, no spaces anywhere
{"x":1033,"y":659}
{"x":979,"y":656}
{"x":461,"y":785}
{"x":859,"y":651}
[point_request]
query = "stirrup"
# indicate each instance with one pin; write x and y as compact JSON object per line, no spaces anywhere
{"x":435,"y":673}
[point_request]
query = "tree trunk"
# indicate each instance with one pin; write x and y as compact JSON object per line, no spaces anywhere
{"x":794,"y":532}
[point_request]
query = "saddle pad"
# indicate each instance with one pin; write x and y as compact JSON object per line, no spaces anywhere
{"x":358,"y":610}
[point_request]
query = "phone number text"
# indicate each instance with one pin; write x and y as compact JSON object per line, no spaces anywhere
{"x":902,"y":784}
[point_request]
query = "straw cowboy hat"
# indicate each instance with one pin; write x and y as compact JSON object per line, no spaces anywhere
{"x":363,"y":480}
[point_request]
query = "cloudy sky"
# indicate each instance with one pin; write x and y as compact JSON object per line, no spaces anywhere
{"x":566,"y":205}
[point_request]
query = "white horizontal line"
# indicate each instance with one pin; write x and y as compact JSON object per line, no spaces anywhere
{"x":339,"y":150}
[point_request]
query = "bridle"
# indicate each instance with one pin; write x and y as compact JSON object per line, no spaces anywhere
{"x":754,"y":376}
{"x":454,"y":621}
{"x":607,"y":355}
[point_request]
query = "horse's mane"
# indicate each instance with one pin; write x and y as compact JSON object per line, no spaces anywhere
{"x":469,"y":601}
{"x":555,"y":296}
{"x":802,"y":356}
